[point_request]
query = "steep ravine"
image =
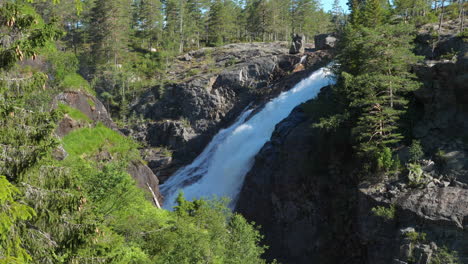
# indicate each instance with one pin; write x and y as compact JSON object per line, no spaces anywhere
{"x":207,"y":90}
{"x":304,"y":192}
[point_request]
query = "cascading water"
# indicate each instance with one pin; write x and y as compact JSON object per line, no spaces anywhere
{"x":220,"y":169}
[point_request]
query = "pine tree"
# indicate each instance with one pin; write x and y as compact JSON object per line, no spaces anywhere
{"x":110,"y":31}
{"x":372,"y":14}
{"x":216,"y":23}
{"x":150,"y":21}
{"x":375,"y":66}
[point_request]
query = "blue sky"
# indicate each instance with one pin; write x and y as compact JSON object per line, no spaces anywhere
{"x":327,"y":5}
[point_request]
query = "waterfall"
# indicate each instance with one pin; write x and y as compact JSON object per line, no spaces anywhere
{"x":220,"y":169}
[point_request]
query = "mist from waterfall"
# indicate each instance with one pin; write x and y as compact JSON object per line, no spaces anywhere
{"x":221,"y":168}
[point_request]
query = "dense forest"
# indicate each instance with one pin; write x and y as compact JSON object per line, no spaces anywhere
{"x":84,"y":208}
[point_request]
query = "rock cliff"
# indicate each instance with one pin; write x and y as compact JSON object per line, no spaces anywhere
{"x":313,"y":207}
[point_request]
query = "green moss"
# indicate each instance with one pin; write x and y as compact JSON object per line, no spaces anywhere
{"x":92,"y":140}
{"x":73,"y":113}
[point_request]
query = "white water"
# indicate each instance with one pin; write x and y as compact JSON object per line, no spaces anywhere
{"x":220,"y":169}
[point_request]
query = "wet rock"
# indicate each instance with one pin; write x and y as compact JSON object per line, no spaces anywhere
{"x":145,"y":178}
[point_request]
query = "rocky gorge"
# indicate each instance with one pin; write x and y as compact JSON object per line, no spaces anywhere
{"x":303,"y":188}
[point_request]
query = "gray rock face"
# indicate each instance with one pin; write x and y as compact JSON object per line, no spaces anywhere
{"x":439,"y":212}
{"x":324,"y":41}
{"x":297,"y":44}
{"x":144,"y":178}
{"x":293,"y":192}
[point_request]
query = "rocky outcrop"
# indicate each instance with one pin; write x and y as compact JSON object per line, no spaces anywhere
{"x":87,"y":104}
{"x":438,"y":212}
{"x":297,"y":44}
{"x":443,"y":113}
{"x":211,"y":89}
{"x":298,"y":193}
{"x":324,"y":41}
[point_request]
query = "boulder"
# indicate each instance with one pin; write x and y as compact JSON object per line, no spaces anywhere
{"x":324,"y":41}
{"x":87,"y":104}
{"x":297,"y":44}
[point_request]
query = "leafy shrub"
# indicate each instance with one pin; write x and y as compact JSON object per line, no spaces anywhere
{"x":385,"y":160}
{"x":416,"y":237}
{"x":62,"y":64}
{"x":445,"y":256}
{"x":185,"y":122}
{"x":416,"y":152}
{"x":166,"y":152}
{"x":386,"y":213}
{"x":415,"y":174}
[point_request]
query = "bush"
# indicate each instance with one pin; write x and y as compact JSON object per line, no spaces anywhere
{"x":386,"y":213}
{"x":415,"y":174}
{"x":385,"y":160}
{"x":416,"y":237}
{"x":444,"y":256}
{"x":416,"y":152}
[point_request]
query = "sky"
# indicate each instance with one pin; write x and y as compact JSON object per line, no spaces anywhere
{"x":327,"y":5}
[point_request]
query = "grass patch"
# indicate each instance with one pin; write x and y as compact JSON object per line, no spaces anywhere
{"x":74,"y":81}
{"x":73,"y":113}
{"x":98,"y":138}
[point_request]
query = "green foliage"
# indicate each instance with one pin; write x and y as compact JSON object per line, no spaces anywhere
{"x":416,"y":175}
{"x":374,"y":79}
{"x":416,"y":237}
{"x":385,"y":159}
{"x":12,"y":212}
{"x":445,"y":256}
{"x":34,"y":35}
{"x":416,"y":152}
{"x":387,"y":214}
{"x":185,"y":122}
{"x":74,"y":81}
{"x":207,"y":232}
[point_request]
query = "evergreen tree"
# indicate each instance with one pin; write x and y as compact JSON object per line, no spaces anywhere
{"x":375,"y":66}
{"x":150,"y":21}
{"x":109,"y":30}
